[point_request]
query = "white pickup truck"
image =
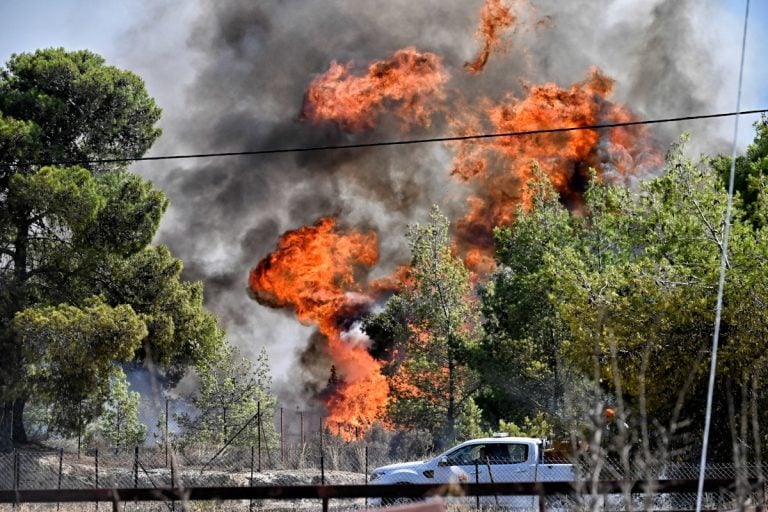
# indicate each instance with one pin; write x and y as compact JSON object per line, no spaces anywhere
{"x":496,"y":459}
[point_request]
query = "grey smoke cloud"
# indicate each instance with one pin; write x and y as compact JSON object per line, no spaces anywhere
{"x":237,"y":80}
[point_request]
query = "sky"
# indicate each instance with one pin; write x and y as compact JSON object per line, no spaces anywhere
{"x":230,"y":75}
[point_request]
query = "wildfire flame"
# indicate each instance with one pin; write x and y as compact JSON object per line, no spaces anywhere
{"x":498,"y":169}
{"x":409,"y":79}
{"x":319,"y":271}
{"x":495,"y":17}
{"x":315,"y":271}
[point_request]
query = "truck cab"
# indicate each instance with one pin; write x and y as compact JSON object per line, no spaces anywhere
{"x":495,"y":459}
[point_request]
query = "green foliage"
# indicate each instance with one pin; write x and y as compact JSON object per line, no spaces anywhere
{"x":69,"y":354}
{"x":520,"y":357}
{"x":233,"y":391}
{"x":433,"y":324}
{"x":470,"y":424}
{"x":751,"y":173}
{"x":181,"y":331}
{"x":537,"y":426}
{"x":60,"y":105}
{"x":625,"y":295}
{"x":77,"y":270}
{"x":119,"y":424}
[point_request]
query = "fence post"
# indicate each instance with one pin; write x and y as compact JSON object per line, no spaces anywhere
{"x":136,"y":467}
{"x":15,"y":475}
{"x":282,"y":440}
{"x":117,"y":425}
{"x":258,"y":431}
{"x":322,"y":480}
{"x":321,"y":434}
{"x":165,"y":436}
{"x":61,"y":463}
{"x":18,"y":470}
{"x":250,"y":503}
{"x":173,"y":483}
{"x":366,"y":473}
{"x":79,"y":426}
{"x":477,"y":481}
{"x":96,"y":455}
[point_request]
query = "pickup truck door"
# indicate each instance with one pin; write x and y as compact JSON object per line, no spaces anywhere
{"x":462,"y":465}
{"x":509,"y":462}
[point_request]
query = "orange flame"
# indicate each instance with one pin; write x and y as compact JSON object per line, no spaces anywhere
{"x":495,"y":17}
{"x":411,"y":79}
{"x":498,"y":169}
{"x":315,"y":270}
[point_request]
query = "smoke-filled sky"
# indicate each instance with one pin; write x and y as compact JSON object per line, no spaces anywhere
{"x":232,"y":75}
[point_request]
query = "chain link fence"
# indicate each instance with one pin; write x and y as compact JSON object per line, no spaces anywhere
{"x":297,"y":449}
{"x":337,"y":461}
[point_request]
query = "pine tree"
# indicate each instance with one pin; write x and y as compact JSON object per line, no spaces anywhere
{"x":119,"y":423}
{"x":234,"y":402}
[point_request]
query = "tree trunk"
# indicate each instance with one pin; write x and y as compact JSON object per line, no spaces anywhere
{"x":12,"y":410}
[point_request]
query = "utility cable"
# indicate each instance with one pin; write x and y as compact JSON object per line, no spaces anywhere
{"x":457,"y":138}
{"x":723,"y":262}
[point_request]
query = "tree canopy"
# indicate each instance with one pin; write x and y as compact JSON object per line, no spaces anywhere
{"x":58,"y":105}
{"x":432,"y":325}
{"x":81,"y":288}
{"x":625,"y":294}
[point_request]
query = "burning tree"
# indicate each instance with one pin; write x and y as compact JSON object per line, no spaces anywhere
{"x":624,"y":295}
{"x":521,"y":354}
{"x":433,"y":324}
{"x":316,"y":271}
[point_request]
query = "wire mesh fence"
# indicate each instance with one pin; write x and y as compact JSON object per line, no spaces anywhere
{"x":341,"y":462}
{"x":299,"y":449}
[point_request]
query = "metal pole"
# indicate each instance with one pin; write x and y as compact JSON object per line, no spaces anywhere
{"x":250,"y":504}
{"x":173,"y":484}
{"x":301,"y":423}
{"x":15,"y":474}
{"x":165,"y":437}
{"x":477,"y":481}
{"x":258,"y":431}
{"x":96,"y":455}
{"x":366,"y":473}
{"x":136,"y":467}
{"x":79,"y":426}
{"x":322,"y":480}
{"x":117,"y":421}
{"x":282,"y":440}
{"x":61,"y":461}
{"x":18,"y":469}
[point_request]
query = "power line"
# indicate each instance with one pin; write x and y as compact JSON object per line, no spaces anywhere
{"x":723,"y":265}
{"x":458,"y":138}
